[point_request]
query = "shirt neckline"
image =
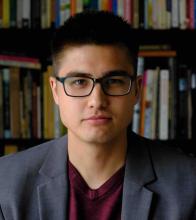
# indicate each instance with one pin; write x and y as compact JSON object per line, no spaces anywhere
{"x":77,"y":181}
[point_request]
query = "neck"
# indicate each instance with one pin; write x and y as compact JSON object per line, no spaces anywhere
{"x":97,"y":162}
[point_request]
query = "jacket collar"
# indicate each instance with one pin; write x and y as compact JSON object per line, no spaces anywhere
{"x":55,"y":162}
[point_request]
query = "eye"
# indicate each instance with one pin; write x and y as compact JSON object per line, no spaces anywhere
{"x":78,"y":82}
{"x":115,"y":81}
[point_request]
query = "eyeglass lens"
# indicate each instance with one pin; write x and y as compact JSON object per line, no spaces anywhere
{"x":83,"y":86}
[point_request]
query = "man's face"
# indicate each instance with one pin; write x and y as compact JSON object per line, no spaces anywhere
{"x":97,"y":118}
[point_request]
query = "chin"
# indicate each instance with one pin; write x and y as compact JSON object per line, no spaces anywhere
{"x":98,"y":138}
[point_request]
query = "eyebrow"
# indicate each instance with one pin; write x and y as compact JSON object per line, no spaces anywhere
{"x":77,"y":73}
{"x":105,"y":74}
{"x":116,"y":73}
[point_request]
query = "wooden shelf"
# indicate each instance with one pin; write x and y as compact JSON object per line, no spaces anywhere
{"x":36,"y":43}
{"x":188,"y":146}
{"x":28,"y":42}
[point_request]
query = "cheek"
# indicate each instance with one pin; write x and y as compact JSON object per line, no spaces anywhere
{"x":70,"y":110}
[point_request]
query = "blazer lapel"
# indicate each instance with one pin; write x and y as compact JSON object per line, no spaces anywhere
{"x":138,"y":173}
{"x":53,"y":185}
{"x":52,"y":198}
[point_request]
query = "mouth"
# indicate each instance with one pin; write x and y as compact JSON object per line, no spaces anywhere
{"x":98,"y":120}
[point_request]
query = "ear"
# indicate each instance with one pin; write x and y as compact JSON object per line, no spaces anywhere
{"x":53,"y":86}
{"x":138,"y":88}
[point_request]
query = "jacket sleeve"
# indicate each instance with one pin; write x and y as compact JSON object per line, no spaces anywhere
{"x":194,"y":214}
{"x":1,"y":214}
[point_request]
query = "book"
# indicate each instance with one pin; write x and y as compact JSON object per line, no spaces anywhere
{"x":182,"y":127}
{"x":148,"y":104}
{"x":193,"y":98}
{"x":6,"y":14}
{"x":157,"y":53}
{"x":164,"y":105}
{"x":155,"y":103}
{"x":19,"y":13}
{"x":172,"y":64}
{"x":1,"y":105}
{"x":137,"y":107}
{"x":135,"y":14}
{"x":26,"y":15}
{"x":35,"y":14}
{"x":13,"y":13}
{"x":143,"y":104}
{"x":19,"y":61}
{"x":175,"y":14}
{"x":15,"y":102}
{"x":6,"y":102}
{"x":10,"y":149}
{"x":1,"y":13}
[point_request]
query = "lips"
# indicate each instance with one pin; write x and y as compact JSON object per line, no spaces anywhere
{"x":98,"y":119}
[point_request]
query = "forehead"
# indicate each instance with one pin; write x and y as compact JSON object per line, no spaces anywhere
{"x":94,"y":59}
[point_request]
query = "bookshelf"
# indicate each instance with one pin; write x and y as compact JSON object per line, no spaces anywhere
{"x":35,"y":42}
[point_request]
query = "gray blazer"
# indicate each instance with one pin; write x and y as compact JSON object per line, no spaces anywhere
{"x":160,"y":183}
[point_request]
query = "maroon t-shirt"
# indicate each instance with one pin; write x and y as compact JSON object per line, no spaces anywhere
{"x":103,"y":203}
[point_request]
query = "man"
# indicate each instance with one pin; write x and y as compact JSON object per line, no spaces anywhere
{"x":100,"y":170}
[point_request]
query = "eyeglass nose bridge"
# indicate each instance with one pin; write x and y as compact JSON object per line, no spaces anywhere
{"x":98,"y":80}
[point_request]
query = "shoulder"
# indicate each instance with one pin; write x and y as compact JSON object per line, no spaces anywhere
{"x":29,"y":161}
{"x":173,"y":167}
{"x":167,"y":160}
{"x":31,"y":155}
{"x":171,"y":157}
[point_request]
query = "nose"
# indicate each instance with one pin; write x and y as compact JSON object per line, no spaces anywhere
{"x":97,"y":99}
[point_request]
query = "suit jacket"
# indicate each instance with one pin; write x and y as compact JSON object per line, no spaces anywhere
{"x":159,"y":183}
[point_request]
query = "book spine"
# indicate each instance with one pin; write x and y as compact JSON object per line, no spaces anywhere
{"x":182,"y":14}
{"x":148,"y":104}
{"x":14,"y":102}
{"x":135,"y":14}
{"x":13,"y":13}
{"x":26,"y":14}
{"x":175,"y":14}
{"x":141,"y":13}
{"x":142,"y":104}
{"x":1,"y":104}
{"x":35,"y":14}
{"x":19,"y":13}
{"x":1,"y":13}
{"x":190,"y":14}
{"x":155,"y":103}
{"x":44,"y":21}
{"x":6,"y":14}
{"x":163,"y":104}
{"x":120,"y":9}
{"x":172,"y":98}
{"x":193,"y":98}
{"x":39,"y":106}
{"x":34,"y":106}
{"x":128,"y":11}
{"x":182,"y":102}
{"x":10,"y":149}
{"x":6,"y":102}
{"x":115,"y":6}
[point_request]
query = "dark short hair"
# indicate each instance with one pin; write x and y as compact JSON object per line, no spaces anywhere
{"x":95,"y":27}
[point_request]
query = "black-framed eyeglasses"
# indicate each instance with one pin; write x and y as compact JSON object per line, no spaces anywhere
{"x":117,"y":83}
